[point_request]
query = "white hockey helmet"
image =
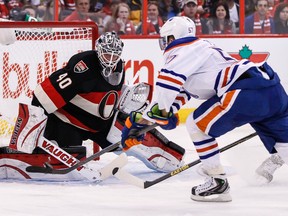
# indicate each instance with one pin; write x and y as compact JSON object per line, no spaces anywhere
{"x":179,"y":27}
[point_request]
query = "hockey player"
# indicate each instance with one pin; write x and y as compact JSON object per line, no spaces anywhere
{"x":80,"y":102}
{"x":236,"y":93}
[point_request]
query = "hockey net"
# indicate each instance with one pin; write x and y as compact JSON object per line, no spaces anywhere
{"x":31,"y":51}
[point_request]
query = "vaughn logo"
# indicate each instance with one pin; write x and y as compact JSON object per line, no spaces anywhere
{"x":58,"y":153}
{"x":80,"y":67}
{"x":15,"y":132}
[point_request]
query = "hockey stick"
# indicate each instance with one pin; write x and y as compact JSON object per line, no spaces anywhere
{"x":49,"y":169}
{"x":127,"y":177}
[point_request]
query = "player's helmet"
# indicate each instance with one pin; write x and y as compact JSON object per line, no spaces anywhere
{"x":179,"y":27}
{"x":109,"y":47}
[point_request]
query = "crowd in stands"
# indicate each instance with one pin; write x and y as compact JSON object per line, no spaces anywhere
{"x":125,"y":16}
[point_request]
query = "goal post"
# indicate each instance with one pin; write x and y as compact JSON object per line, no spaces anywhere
{"x":31,"y":51}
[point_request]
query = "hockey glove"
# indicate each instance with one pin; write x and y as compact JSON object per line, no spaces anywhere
{"x":167,"y":123}
{"x":129,"y":131}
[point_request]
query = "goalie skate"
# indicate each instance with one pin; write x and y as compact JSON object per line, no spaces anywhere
{"x":268,"y":167}
{"x":215,"y":189}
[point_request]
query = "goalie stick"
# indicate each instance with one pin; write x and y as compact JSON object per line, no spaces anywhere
{"x":129,"y":178}
{"x":49,"y":169}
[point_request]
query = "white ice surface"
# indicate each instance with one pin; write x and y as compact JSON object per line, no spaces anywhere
{"x":170,"y":197}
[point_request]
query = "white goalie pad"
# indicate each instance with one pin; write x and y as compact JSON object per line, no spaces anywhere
{"x":155,"y":158}
{"x":135,"y":98}
{"x":29,"y":126}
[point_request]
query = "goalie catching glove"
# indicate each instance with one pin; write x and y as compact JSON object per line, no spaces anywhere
{"x":167,"y":123}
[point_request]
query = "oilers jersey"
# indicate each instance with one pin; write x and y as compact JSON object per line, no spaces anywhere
{"x":196,"y":68}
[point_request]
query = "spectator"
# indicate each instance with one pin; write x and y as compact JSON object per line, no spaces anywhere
{"x":119,"y":22}
{"x":168,"y":9}
{"x":33,"y":2}
{"x":249,"y":7}
{"x":14,"y":4}
{"x":190,"y":10}
{"x":4,"y":11}
{"x":13,"y":7}
{"x":97,"y":5}
{"x":271,"y":4}
{"x":31,"y":10}
{"x":234,"y":13}
{"x":205,"y":7}
{"x":68,"y":4}
{"x":220,"y":22}
{"x":50,"y":10}
{"x":135,"y":11}
{"x":67,"y":7}
{"x":276,"y":3}
{"x":107,"y":6}
{"x":19,"y":14}
{"x":154,"y":20}
{"x":41,"y":9}
{"x":259,"y":22}
{"x":106,"y":12}
{"x":281,"y":18}
{"x":81,"y":11}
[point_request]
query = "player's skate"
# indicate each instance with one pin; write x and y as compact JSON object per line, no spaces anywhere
{"x":269,"y":166}
{"x":215,"y":189}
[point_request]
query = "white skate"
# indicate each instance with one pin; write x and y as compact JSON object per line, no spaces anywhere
{"x":269,"y":166}
{"x":215,"y":189}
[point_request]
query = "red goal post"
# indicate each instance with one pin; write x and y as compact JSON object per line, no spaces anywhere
{"x":31,"y":51}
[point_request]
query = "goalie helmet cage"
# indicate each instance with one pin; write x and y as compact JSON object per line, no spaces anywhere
{"x":31,"y":51}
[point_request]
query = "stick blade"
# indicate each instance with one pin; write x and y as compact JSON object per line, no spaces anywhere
{"x":116,"y":164}
{"x":127,"y":177}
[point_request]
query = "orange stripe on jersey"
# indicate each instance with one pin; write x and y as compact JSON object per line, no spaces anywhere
{"x":207,"y":148}
{"x":170,"y":79}
{"x":204,"y":122}
{"x":52,"y":93}
{"x":225,"y":77}
{"x":182,"y":99}
{"x":182,"y":44}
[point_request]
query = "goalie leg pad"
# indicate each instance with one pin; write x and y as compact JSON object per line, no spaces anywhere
{"x":157,"y":158}
{"x":156,"y":151}
{"x":29,"y":125}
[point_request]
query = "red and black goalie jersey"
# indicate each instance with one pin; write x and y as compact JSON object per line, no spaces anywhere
{"x":79,"y":95}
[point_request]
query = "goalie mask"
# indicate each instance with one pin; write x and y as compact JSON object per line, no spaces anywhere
{"x":109,"y":47}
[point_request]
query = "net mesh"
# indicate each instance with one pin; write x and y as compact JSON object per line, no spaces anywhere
{"x":35,"y":52}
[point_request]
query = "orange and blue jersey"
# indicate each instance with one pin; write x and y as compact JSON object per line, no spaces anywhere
{"x":236,"y":93}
